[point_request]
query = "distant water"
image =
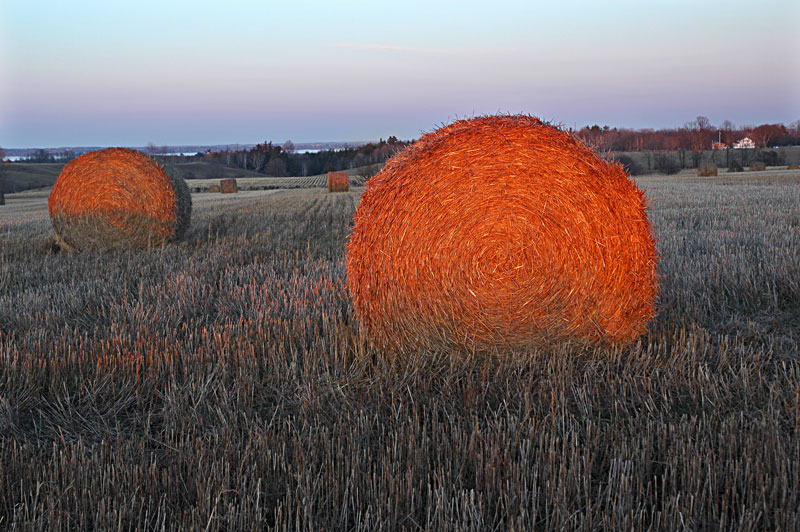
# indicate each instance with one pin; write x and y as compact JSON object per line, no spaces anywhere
{"x":14,"y":158}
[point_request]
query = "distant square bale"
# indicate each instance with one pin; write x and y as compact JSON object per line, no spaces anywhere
{"x":214,"y":188}
{"x":228,"y":186}
{"x":757,"y":166}
{"x":338,"y":182}
{"x":707,"y":170}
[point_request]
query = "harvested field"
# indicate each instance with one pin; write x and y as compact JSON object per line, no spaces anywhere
{"x":271,"y":183}
{"x":221,"y":384}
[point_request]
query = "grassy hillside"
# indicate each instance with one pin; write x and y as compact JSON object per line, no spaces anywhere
{"x":223,"y":384}
{"x":26,"y":176}
{"x":206,"y":170}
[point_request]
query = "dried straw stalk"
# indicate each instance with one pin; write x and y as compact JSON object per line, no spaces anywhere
{"x":501,"y":232}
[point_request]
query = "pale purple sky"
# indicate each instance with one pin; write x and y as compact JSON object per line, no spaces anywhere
{"x":127,"y":73}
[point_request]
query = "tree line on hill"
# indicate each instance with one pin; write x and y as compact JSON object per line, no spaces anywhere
{"x":698,"y":135}
{"x":274,"y":160}
{"x":670,"y":150}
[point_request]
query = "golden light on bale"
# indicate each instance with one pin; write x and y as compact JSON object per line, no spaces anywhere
{"x":214,"y":188}
{"x":757,"y":166}
{"x":228,"y":186}
{"x":338,"y":182}
{"x":118,"y":197}
{"x":500,"y":233}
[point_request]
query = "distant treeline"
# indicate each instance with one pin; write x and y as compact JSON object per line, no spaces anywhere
{"x":268,"y":158}
{"x":273,"y":160}
{"x":44,"y":156}
{"x":693,"y":136}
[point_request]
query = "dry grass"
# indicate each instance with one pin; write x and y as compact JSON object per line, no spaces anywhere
{"x":221,"y":384}
{"x":498,"y":233}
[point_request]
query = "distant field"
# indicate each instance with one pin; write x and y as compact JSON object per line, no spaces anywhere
{"x":199,"y":176}
{"x":222,"y":383}
{"x":267,"y":183}
{"x":27,"y":176}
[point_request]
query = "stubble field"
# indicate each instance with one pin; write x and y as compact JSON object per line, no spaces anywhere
{"x":222,"y":384}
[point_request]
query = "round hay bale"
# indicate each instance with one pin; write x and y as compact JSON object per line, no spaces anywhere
{"x":707,"y":170}
{"x":214,"y":188}
{"x":228,"y":186}
{"x":497,"y":233}
{"x":118,"y":197}
{"x":338,"y":182}
{"x":757,"y":166}
{"x":793,"y":167}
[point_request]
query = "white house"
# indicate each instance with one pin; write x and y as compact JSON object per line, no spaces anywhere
{"x":744,"y":144}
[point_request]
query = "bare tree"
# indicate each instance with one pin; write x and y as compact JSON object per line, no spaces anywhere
{"x":765,"y":133}
{"x":275,"y":167}
{"x":259,"y":159}
{"x":288,"y":146}
{"x":699,"y":134}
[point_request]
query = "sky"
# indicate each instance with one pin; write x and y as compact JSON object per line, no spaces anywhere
{"x":109,"y":73}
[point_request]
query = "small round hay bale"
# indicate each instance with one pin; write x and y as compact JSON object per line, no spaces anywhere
{"x":338,"y":182}
{"x":118,"y":197}
{"x":214,"y":188}
{"x":228,"y":186}
{"x":793,"y":167}
{"x":707,"y":170}
{"x":757,"y":166}
{"x":497,"y":233}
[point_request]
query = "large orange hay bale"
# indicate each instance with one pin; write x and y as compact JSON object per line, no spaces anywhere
{"x":118,"y":197}
{"x":228,"y":186}
{"x":501,"y":232}
{"x":338,"y":182}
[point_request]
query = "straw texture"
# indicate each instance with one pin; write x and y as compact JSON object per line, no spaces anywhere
{"x":118,"y":197}
{"x":501,"y":232}
{"x":228,"y":186}
{"x":338,"y":182}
